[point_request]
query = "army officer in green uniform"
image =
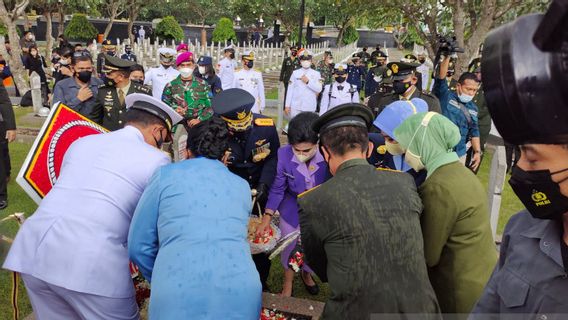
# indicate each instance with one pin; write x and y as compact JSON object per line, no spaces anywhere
{"x":110,"y":109}
{"x":364,"y":239}
{"x":404,"y":88}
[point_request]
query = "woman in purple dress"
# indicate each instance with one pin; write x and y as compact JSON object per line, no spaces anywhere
{"x":300,"y":167}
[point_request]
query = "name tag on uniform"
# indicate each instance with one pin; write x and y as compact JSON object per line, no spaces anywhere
{"x":472,"y":112}
{"x":455,"y":103}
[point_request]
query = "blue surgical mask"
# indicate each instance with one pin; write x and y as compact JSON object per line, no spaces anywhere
{"x":465,"y":98}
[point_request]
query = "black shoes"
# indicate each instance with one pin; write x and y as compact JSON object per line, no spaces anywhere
{"x":3,"y":204}
{"x":313,"y":290}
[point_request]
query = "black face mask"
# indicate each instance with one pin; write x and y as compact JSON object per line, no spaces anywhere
{"x":380,"y":62}
{"x":539,"y":193}
{"x":109,"y":82}
{"x":111,"y":53}
{"x":139,"y":81}
{"x":128,"y":51}
{"x":84,"y":76}
{"x":294,"y":53}
{"x":166,"y":66}
{"x":340,"y":79}
{"x":422,"y":60}
{"x":249,"y":64}
{"x":400,"y":87}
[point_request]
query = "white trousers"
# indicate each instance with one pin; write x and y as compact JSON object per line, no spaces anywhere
{"x":52,"y":302}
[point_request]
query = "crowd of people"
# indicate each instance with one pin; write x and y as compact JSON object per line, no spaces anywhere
{"x":378,"y":176}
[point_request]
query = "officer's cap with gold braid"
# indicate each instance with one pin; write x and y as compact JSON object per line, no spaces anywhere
{"x":108,"y":45}
{"x":147,"y":103}
{"x":305,"y":54}
{"x":475,"y":65}
{"x":248,"y":55}
{"x":401,"y":70}
{"x":167,"y":55}
{"x":116,"y":64}
{"x":234,"y":106}
{"x":340,"y":68}
{"x":347,"y":114}
{"x":409,"y":58}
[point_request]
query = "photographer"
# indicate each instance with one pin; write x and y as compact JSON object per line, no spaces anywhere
{"x":459,"y":108}
{"x":531,"y":274}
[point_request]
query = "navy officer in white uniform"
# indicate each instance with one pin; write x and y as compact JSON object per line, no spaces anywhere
{"x":72,"y":252}
{"x":304,"y":88}
{"x":158,"y":77}
{"x":339,"y":91}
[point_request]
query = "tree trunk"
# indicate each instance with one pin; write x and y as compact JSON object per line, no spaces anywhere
{"x":340,"y":37}
{"x":16,"y":66}
{"x":458,"y":19}
{"x":61,"y":26}
{"x":132,"y":15}
{"x":48,"y":32}
{"x":203,"y":34}
{"x":113,"y":12}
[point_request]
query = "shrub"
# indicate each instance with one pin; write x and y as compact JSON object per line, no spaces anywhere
{"x":169,"y":29}
{"x":224,"y":31}
{"x":80,"y":29}
{"x":350,"y":35}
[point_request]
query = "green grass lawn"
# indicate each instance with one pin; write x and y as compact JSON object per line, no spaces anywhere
{"x":272,"y":94}
{"x":20,"y":202}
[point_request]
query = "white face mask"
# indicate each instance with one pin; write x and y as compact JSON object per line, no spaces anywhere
{"x":377,"y":78}
{"x":306,"y":64}
{"x":394,"y":148}
{"x":201,"y":70}
{"x":64,"y":62}
{"x":330,"y":60}
{"x":305,"y":157}
{"x":186,"y":72}
{"x":413,"y":160}
{"x":465,"y":98}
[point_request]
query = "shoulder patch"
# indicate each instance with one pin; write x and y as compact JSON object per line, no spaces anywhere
{"x":308,"y":191}
{"x":264,"y":122}
{"x":387,"y":169}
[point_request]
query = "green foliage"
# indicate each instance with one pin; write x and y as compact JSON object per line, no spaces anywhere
{"x":3,"y":30}
{"x":80,"y":29}
{"x":224,"y":31}
{"x":294,"y":36}
{"x":169,"y":29}
{"x":350,"y":35}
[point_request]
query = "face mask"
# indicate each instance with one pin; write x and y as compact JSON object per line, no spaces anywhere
{"x":340,"y":79}
{"x":139,"y":81}
{"x":186,"y":72}
{"x":377,"y":78}
{"x":166,"y":66}
{"x":465,"y":98}
{"x":249,"y":64}
{"x":394,"y":148}
{"x":64,"y":62}
{"x":422,"y":60}
{"x":413,"y":160}
{"x":305,"y":157}
{"x":128,"y":51}
{"x":294,"y":53}
{"x":111,"y":53}
{"x":109,"y":82}
{"x":306,"y":64}
{"x":84,"y":76}
{"x":400,"y":87}
{"x":330,"y":61}
{"x":201,"y":70}
{"x":539,"y":193}
{"x":380,"y":63}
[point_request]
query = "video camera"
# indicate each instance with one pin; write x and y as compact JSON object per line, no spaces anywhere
{"x":525,"y":71}
{"x":448,"y":45}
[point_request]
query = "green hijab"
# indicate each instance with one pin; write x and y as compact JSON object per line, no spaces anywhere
{"x":433,"y":141}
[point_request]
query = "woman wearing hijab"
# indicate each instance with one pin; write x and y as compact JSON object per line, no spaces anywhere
{"x":190,"y":239}
{"x":300,"y":167}
{"x":458,"y":244}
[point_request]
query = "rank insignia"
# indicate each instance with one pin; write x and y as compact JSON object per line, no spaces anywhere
{"x":382,"y":149}
{"x":260,"y":142}
{"x":261,"y":153}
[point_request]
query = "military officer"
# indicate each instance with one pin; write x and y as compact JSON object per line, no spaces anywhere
{"x":356,"y":72}
{"x":325,"y":68}
{"x":404,"y":88}
{"x":226,"y":68}
{"x":349,"y":229}
{"x":128,"y":55}
{"x":338,"y":92}
{"x":305,"y":85}
{"x":365,"y":57}
{"x":253,"y":150}
{"x":110,"y":108}
{"x":250,"y":80}
{"x":109,"y":48}
{"x":411,"y":58}
{"x":376,"y":52}
{"x":158,"y":77}
{"x":289,"y":64}
{"x":375,"y":74}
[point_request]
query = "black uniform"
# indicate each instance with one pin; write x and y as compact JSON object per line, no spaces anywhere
{"x":253,"y":152}
{"x":365,"y":58}
{"x":8,"y":122}
{"x":130,"y":57}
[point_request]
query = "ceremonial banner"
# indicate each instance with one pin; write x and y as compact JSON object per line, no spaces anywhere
{"x":41,"y":168}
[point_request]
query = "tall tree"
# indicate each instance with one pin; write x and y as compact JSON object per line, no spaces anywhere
{"x":113,"y":9}
{"x":9,"y":14}
{"x":340,"y":13}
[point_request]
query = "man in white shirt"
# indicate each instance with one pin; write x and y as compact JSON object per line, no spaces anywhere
{"x":226,"y":68}
{"x":339,"y":91}
{"x":305,"y":85}
{"x":72,"y":252}
{"x":425,"y":68}
{"x":162,"y":75}
{"x":251,"y":80}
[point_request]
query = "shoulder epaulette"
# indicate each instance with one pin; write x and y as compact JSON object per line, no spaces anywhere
{"x":102,"y":86}
{"x":308,"y":191}
{"x":387,"y":169}
{"x":264,"y":122}
{"x":142,"y":87}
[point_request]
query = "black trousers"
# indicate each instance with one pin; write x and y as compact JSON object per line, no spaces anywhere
{"x":5,"y":165}
{"x":262,"y":264}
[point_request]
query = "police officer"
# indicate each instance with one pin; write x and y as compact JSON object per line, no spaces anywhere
{"x":128,"y":55}
{"x":250,"y":80}
{"x":404,"y":88}
{"x":110,"y":108}
{"x":356,"y":73}
{"x":160,"y":76}
{"x":108,"y":47}
{"x":375,"y":74}
{"x":338,"y":92}
{"x":289,"y":64}
{"x":305,"y":85}
{"x":253,"y":151}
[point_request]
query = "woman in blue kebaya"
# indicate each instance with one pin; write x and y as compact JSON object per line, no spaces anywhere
{"x":189,"y":235}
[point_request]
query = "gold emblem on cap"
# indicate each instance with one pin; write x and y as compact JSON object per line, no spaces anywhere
{"x":340,"y":68}
{"x":394,"y":68}
{"x":389,"y":73}
{"x":241,"y":115}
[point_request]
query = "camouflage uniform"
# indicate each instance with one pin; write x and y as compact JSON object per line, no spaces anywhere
{"x":326,"y":72}
{"x":192,"y":95}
